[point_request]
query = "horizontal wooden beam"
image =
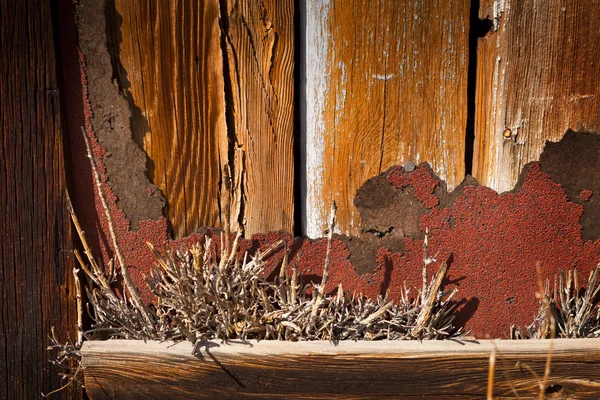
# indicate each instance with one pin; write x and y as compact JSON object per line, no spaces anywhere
{"x":319,"y":370}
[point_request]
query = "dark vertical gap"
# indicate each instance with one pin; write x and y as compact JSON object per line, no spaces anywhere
{"x":55,"y":10}
{"x":229,"y":113}
{"x":299,"y":114}
{"x":113,"y":42}
{"x":70,"y":101}
{"x":478,"y":28}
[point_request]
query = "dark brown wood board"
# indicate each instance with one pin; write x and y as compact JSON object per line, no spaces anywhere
{"x":321,"y":370}
{"x":36,"y":262}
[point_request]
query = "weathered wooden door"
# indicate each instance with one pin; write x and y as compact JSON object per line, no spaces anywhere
{"x":256,"y":113}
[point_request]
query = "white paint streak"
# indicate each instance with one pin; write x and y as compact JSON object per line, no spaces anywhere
{"x":498,"y":10}
{"x":502,"y":176}
{"x":382,"y":77}
{"x":340,"y":96}
{"x":491,"y":171}
{"x":317,"y":85}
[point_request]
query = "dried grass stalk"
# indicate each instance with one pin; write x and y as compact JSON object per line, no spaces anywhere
{"x":203,"y":295}
{"x":128,"y":283}
{"x":67,"y":355}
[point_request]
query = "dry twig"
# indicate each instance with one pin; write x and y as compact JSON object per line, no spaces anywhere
{"x":550,"y":326}
{"x":491,"y":371}
{"x":137,"y":301}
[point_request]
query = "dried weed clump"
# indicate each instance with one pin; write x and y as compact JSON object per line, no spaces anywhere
{"x":574,"y":311}
{"x":201,"y":296}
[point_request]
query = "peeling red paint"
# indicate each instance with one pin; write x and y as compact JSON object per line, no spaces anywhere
{"x":585,"y":195}
{"x":420,"y":179}
{"x":492,"y":245}
{"x":496,"y":241}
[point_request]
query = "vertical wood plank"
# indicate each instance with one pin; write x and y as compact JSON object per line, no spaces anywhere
{"x":538,"y":75}
{"x":36,"y":285}
{"x":170,"y":66}
{"x":385,"y":83}
{"x":260,"y":52}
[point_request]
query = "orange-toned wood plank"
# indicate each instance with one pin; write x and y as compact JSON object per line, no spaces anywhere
{"x":170,"y":67}
{"x":260,"y":52}
{"x":386,"y":83}
{"x":538,"y":75}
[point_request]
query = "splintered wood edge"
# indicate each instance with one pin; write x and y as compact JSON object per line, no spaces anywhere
{"x":450,"y":369}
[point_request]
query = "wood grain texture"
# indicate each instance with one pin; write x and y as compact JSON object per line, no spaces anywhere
{"x":169,"y":63}
{"x":385,"y":83}
{"x":260,"y":51}
{"x":36,"y":281}
{"x":321,"y":370}
{"x":537,"y":76}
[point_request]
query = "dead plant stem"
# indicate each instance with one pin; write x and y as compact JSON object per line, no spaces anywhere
{"x":79,"y":308}
{"x":135,"y":296}
{"x":321,"y":288}
{"x":552,"y":326}
{"x":491,"y":372}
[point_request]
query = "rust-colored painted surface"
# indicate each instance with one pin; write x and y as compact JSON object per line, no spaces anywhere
{"x":537,"y":76}
{"x":492,"y":242}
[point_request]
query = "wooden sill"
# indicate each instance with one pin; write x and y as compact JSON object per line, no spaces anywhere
{"x":129,"y":369}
